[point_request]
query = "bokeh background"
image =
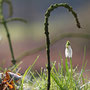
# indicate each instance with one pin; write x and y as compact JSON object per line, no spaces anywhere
{"x":29,"y":38}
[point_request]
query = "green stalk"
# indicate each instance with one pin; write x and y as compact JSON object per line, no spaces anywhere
{"x":67,"y":67}
{"x":71,"y":74}
{"x":9,"y":41}
{"x":4,"y":22}
{"x":7,"y":31}
{"x":47,"y":14}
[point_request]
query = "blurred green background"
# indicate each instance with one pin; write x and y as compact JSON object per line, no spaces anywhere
{"x":30,"y":36}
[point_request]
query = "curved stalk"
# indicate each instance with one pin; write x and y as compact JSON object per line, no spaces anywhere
{"x":4,"y":22}
{"x":47,"y":14}
{"x":7,"y":31}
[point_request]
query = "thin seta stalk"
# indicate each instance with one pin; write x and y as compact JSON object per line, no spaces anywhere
{"x":4,"y":23}
{"x":10,"y":43}
{"x":7,"y":31}
{"x":47,"y":14}
{"x":71,"y":71}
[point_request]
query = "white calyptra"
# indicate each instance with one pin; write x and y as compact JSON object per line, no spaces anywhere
{"x":68,"y":50}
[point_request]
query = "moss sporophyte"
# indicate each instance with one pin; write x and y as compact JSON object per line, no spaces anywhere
{"x":47,"y":15}
{"x":4,"y":22}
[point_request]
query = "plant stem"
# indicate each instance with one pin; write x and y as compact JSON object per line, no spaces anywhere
{"x":47,"y":14}
{"x":10,"y":43}
{"x":71,"y":71}
{"x":6,"y":28}
{"x":4,"y":22}
{"x":48,"y":51}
